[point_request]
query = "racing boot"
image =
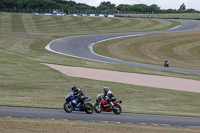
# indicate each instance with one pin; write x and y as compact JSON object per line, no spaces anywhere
{"x":111,"y":105}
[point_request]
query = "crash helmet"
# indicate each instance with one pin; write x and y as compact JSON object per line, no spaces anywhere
{"x":105,"y":89}
{"x":74,"y":88}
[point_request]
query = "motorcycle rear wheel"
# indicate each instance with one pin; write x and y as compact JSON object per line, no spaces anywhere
{"x":97,"y":109}
{"x":67,"y":108}
{"x":89,"y":108}
{"x":117,"y":109}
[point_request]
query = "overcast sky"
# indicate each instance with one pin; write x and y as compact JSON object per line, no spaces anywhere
{"x":164,"y":4}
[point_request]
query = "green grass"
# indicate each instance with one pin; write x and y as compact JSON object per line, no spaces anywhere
{"x":5,"y":23}
{"x":62,"y":26}
{"x":181,"y":49}
{"x":17,"y":25}
{"x":18,"y":125}
{"x":26,"y":82}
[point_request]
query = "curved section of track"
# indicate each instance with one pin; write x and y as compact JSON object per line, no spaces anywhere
{"x":82,"y":46}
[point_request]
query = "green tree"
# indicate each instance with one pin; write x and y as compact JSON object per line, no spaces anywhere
{"x":106,"y":5}
{"x":8,"y":4}
{"x":72,"y":5}
{"x":123,"y":7}
{"x":154,"y":9}
{"x":140,"y":8}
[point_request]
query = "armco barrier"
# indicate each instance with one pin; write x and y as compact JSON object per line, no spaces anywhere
{"x":58,"y":14}
{"x":93,"y":15}
{"x":88,"y":15}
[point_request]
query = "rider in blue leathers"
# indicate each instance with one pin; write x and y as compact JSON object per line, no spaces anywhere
{"x":78,"y":93}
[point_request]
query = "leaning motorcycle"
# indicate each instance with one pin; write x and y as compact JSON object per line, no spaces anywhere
{"x":166,"y":65}
{"x":102,"y":105}
{"x":73,"y":104}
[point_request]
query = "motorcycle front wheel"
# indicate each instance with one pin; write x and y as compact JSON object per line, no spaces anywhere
{"x":97,"y":109}
{"x":89,"y":108}
{"x":68,"y":108}
{"x":117,"y":109}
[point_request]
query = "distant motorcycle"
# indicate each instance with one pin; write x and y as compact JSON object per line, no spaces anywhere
{"x":73,"y":104}
{"x":102,"y":105}
{"x":166,"y":64}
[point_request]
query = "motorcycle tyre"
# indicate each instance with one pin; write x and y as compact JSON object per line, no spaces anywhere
{"x":91,"y":110}
{"x":116,"y":111}
{"x":67,"y":109}
{"x":97,"y":111}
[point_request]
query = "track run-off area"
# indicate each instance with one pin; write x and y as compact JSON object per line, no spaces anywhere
{"x":82,"y":47}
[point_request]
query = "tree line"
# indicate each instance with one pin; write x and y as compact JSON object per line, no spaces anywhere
{"x":105,"y":5}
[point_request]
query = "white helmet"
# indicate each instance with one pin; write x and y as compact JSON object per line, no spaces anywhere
{"x":106,"y":89}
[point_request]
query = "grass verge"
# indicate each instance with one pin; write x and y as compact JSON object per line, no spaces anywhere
{"x":181,"y":49}
{"x":59,"y":126}
{"x":62,"y":26}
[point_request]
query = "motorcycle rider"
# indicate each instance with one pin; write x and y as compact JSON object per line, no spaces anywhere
{"x":166,"y":63}
{"x":108,"y":95}
{"x":78,"y":93}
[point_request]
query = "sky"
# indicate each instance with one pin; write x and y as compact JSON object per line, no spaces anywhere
{"x":163,"y":4}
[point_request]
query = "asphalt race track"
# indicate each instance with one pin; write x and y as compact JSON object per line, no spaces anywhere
{"x":82,"y":46}
{"x":140,"y":119}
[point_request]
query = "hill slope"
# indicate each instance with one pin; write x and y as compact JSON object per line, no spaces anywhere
{"x":62,"y":26}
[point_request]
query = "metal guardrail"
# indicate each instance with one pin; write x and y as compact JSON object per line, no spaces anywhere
{"x":112,"y":12}
{"x":15,"y":10}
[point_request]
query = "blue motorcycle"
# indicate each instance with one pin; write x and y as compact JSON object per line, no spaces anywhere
{"x":73,"y":104}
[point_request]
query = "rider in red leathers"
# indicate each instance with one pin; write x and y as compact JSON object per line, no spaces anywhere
{"x":108,"y":95}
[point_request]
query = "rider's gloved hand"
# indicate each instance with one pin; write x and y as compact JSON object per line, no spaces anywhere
{"x":106,"y":98}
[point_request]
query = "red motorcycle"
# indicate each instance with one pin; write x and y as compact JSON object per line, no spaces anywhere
{"x":103,"y":105}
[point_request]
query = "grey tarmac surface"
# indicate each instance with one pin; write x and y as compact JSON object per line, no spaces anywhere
{"x":82,"y":46}
{"x":107,"y":117}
